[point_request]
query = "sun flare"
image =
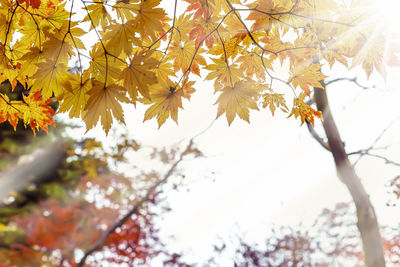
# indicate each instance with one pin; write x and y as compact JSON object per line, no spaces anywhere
{"x":388,"y":15}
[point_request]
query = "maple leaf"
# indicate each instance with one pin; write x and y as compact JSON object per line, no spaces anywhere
{"x":75,"y":97}
{"x":36,"y":112}
{"x":97,"y":14}
{"x":5,"y":62}
{"x":251,"y":64}
{"x":223,"y":73}
{"x":70,"y":32}
{"x":138,"y":75}
{"x":57,"y":50}
{"x":202,"y":27}
{"x":274,"y":101}
{"x":29,"y":61}
{"x":263,"y":20}
{"x":102,"y":102}
{"x":165,"y":99}
{"x":182,"y":55}
{"x":307,"y":77}
{"x":184,"y":23}
{"x":49,"y":78}
{"x":304,"y":111}
{"x":9,"y":112}
{"x":237,"y":100}
{"x":333,"y":55}
{"x":121,"y":37}
{"x":164,"y":70}
{"x":56,"y":18}
{"x":149,"y":18}
{"x":187,"y":88}
{"x":31,"y":34}
{"x":373,"y":54}
{"x":103,"y":65}
{"x":125,"y":10}
{"x":201,"y":7}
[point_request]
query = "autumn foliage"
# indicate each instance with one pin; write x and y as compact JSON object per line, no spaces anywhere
{"x":93,"y":56}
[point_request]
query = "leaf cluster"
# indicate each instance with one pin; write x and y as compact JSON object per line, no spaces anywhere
{"x":142,"y":54}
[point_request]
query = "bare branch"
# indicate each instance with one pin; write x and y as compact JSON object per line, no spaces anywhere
{"x":316,"y":136}
{"x":354,"y":80}
{"x":100,"y":243}
{"x":364,"y":152}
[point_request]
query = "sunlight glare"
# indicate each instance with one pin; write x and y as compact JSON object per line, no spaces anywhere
{"x":389,"y":12}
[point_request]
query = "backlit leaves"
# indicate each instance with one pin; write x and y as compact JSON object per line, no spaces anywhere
{"x":135,"y":49}
{"x":139,"y":75}
{"x":75,"y":95}
{"x":49,"y":78}
{"x":104,"y":104}
{"x":273,"y":101}
{"x":304,"y":111}
{"x":307,"y":77}
{"x":237,"y":100}
{"x":166,"y":99}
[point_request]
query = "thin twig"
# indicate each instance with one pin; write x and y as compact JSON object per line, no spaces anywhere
{"x":366,"y":151}
{"x":354,"y":80}
{"x":316,"y":136}
{"x":100,"y":243}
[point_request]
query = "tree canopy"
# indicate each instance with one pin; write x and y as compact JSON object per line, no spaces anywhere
{"x":142,"y":54}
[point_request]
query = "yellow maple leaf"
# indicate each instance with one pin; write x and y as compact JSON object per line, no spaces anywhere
{"x":36,"y":112}
{"x":165,"y":99}
{"x":237,"y":100}
{"x":125,"y":10}
{"x":164,"y":71}
{"x":49,"y":78}
{"x":120,"y":37}
{"x":102,"y":64}
{"x":102,"y":102}
{"x":29,"y":61}
{"x":75,"y":97}
{"x":56,"y":16}
{"x":223,"y":73}
{"x":149,"y":18}
{"x":304,"y":111}
{"x":181,"y":54}
{"x":138,"y":75}
{"x":9,"y":112}
{"x":274,"y":101}
{"x":184,"y":23}
{"x":97,"y":14}
{"x":306,"y":77}
{"x":251,"y":64}
{"x":72,"y":32}
{"x":57,"y":49}
{"x":31,"y":34}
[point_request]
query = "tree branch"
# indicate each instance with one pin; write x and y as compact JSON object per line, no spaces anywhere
{"x":364,"y":152}
{"x":100,"y":243}
{"x":316,"y":136}
{"x":354,"y":80}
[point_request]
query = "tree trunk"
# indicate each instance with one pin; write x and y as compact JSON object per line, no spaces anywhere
{"x":367,"y":222}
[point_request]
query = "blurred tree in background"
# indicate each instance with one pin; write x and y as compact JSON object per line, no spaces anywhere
{"x":80,"y":205}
